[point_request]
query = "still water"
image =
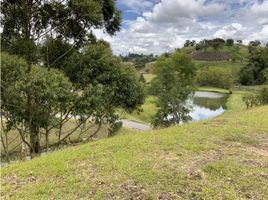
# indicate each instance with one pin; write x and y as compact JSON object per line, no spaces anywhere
{"x":207,"y":105}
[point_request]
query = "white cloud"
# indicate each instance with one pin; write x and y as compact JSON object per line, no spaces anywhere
{"x":261,"y":12}
{"x":165,"y":25}
{"x":175,"y":10}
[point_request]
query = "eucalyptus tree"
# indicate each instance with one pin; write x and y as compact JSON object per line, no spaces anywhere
{"x":118,"y":84}
{"x":27,"y":23}
{"x":173,"y":85}
{"x":32,"y":100}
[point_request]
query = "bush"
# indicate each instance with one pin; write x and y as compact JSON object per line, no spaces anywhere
{"x":215,"y":77}
{"x":263,"y":95}
{"x":251,"y":100}
{"x":256,"y":99}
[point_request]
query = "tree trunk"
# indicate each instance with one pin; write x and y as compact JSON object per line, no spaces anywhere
{"x":35,"y":140}
{"x":47,"y":140}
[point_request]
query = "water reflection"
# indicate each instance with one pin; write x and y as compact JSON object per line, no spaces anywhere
{"x":207,"y":105}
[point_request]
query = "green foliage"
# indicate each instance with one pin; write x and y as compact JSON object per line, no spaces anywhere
{"x":174,"y":83}
{"x":139,"y":60}
{"x":32,"y":99}
{"x":98,"y":66}
{"x":229,"y":42}
{"x":257,"y":98}
{"x":56,"y":52}
{"x":253,"y":73}
{"x":215,"y":77}
{"x":251,"y":100}
{"x":263,"y":95}
{"x":25,"y":23}
{"x":266,"y":75}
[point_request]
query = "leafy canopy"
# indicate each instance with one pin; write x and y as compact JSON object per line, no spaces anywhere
{"x":173,"y":85}
{"x":27,"y":23}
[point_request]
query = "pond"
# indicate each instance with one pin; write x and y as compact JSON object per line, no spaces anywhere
{"x":207,"y":105}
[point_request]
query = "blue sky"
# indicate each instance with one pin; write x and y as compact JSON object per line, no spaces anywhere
{"x":157,"y":26}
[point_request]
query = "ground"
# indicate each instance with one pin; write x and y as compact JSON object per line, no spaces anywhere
{"x":223,"y":158}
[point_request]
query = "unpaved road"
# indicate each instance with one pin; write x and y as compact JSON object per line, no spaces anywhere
{"x":136,"y":125}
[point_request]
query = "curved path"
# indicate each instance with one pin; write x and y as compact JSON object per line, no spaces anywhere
{"x":135,"y":125}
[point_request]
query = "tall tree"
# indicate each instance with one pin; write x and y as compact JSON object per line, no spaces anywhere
{"x":27,"y":22}
{"x":174,"y":83}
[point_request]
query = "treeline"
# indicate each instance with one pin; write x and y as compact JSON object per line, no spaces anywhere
{"x":139,"y":60}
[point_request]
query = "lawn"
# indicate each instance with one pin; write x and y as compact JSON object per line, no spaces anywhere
{"x":223,"y":158}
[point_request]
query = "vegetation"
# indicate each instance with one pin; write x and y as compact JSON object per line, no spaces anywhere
{"x":215,"y":77}
{"x":173,"y":84}
{"x":38,"y":100}
{"x":254,"y":72}
{"x":138,"y":60}
{"x":201,"y":162}
{"x":258,"y":98}
{"x":26,"y":24}
{"x":61,"y":86}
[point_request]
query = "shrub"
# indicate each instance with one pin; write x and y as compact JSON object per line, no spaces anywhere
{"x":263,"y":95}
{"x":256,"y":99}
{"x":251,"y":100}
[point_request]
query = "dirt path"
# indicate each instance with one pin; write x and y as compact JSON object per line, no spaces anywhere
{"x":136,"y":125}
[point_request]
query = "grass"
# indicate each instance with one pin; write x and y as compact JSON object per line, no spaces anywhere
{"x":145,"y":116}
{"x":224,"y":158}
{"x":148,"y":77}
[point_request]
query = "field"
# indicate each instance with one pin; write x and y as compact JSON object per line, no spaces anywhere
{"x":188,"y":162}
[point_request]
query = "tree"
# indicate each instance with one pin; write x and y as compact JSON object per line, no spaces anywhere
{"x":52,"y":49}
{"x":187,"y":43}
{"x":174,"y":83}
{"x":239,"y":41}
{"x":216,"y":43}
{"x":97,"y":66}
{"x":255,"y":43}
{"x":253,"y":72}
{"x":27,"y":22}
{"x":32,"y":100}
{"x":229,"y":42}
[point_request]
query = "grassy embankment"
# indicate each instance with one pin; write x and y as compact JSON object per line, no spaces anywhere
{"x":223,"y":158}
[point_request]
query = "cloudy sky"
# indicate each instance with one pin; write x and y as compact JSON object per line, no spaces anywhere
{"x":157,"y":26}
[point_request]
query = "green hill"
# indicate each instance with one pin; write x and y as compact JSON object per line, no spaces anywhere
{"x":225,"y":158}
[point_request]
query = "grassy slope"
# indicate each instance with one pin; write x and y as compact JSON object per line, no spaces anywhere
{"x":225,"y":158}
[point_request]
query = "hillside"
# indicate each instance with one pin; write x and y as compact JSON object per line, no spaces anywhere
{"x":188,"y":162}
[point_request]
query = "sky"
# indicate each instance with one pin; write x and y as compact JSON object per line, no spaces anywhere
{"x":158,"y":26}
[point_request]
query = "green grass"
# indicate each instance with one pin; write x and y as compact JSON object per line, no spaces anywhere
{"x":224,"y":158}
{"x":148,"y":77}
{"x":145,"y":115}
